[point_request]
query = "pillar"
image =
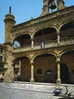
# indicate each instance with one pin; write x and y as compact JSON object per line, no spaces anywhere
{"x":32,"y":71}
{"x":32,"y":42}
{"x":58,"y":37}
{"x":58,"y":70}
{"x":19,"y":72}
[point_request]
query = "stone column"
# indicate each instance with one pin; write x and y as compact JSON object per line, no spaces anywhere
{"x":19,"y":72}
{"x":32,"y":71}
{"x":58,"y":37}
{"x":58,"y":71}
{"x":32,"y":42}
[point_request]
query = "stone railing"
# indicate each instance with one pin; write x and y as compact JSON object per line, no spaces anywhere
{"x":49,"y":44}
{"x":67,"y":41}
{"x":38,"y":46}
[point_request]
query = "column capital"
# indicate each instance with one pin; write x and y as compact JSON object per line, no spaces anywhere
{"x":58,"y":58}
{"x":31,"y":57}
{"x":32,"y":62}
{"x":58,"y":31}
{"x":32,"y":37}
{"x":57,"y":52}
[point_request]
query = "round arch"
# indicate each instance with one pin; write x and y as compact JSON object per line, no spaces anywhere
{"x":23,"y":40}
{"x":45,"y":35}
{"x":67,"y":66}
{"x":45,"y":27}
{"x":45,"y":68}
{"x":67,"y":30}
{"x":22,"y":69}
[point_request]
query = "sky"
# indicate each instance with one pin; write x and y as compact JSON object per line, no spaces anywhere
{"x":23,"y":10}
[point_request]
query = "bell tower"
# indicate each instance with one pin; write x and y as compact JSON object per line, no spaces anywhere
{"x":45,"y":9}
{"x":60,"y":4}
{"x":50,"y":5}
{"x":9,"y":23}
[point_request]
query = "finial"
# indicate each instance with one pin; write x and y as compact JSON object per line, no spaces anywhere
{"x":10,"y":10}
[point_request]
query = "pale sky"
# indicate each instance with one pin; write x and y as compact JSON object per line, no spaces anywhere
{"x":23,"y":10}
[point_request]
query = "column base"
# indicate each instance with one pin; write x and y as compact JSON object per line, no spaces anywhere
{"x":58,"y":82}
{"x":32,"y":81}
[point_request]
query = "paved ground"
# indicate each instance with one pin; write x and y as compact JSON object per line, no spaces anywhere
{"x":27,"y":91}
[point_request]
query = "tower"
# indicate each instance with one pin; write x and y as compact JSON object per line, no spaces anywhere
{"x":9,"y":23}
{"x":45,"y":9}
{"x":52,"y":5}
{"x":60,"y":4}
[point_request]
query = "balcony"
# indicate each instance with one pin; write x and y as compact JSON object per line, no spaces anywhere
{"x":49,"y":44}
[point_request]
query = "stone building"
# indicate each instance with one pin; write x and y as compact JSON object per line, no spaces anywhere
{"x":41,"y":49}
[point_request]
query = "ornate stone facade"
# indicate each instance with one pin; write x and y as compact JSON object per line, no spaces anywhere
{"x":41,"y":49}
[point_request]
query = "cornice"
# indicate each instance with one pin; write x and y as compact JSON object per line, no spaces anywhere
{"x":65,"y":12}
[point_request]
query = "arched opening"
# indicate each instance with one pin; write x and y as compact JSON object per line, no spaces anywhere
{"x":67,"y":31}
{"x":45,"y":68}
{"x":67,"y":67}
{"x":22,"y":69}
{"x":22,"y":41}
{"x":45,"y":36}
{"x":65,"y":76}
